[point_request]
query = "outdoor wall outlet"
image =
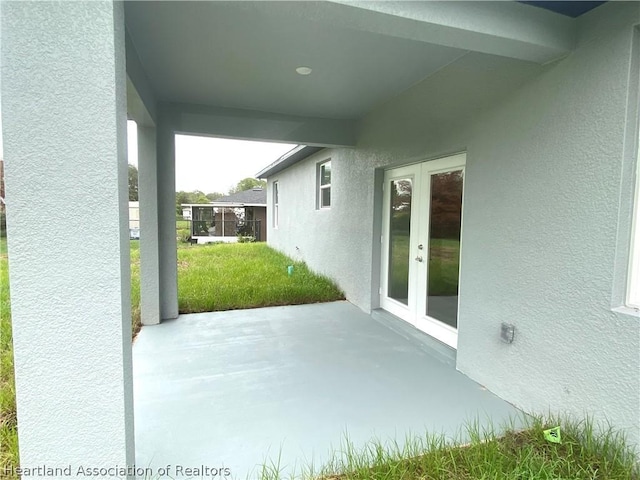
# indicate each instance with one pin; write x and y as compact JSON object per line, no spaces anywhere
{"x":507,"y":332}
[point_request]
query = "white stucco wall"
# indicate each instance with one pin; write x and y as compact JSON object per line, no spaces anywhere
{"x":549,"y":266}
{"x":148,"y":214}
{"x":166,"y":207}
{"x":340,"y":245}
{"x":549,"y":184}
{"x":64,"y":131}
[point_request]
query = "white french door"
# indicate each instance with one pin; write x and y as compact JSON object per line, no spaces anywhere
{"x":421,"y":231}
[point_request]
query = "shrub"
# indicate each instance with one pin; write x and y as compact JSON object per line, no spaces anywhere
{"x":184,"y":235}
{"x":246,"y":239}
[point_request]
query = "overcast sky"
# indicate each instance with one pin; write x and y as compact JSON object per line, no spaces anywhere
{"x":214,"y":164}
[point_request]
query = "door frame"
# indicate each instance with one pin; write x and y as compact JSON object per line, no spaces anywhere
{"x":415,"y":311}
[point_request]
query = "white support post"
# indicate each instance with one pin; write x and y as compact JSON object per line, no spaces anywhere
{"x":64,"y":128}
{"x":223,"y":221}
{"x":149,"y":256}
{"x":167,"y":242}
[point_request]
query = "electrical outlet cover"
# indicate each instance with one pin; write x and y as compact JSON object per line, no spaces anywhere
{"x":508,"y":332}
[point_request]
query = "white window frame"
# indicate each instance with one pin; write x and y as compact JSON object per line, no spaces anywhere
{"x":633,"y":285}
{"x":276,"y":203}
{"x":322,"y":187}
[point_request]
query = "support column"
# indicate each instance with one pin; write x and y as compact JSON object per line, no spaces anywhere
{"x":148,"y":196}
{"x":167,"y":243}
{"x":64,"y":126}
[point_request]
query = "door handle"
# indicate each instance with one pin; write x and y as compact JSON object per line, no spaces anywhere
{"x":418,"y":258}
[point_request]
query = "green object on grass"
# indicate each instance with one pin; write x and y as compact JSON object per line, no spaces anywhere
{"x":553,"y":435}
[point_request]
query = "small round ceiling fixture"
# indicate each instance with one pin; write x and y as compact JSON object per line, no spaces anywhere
{"x":304,"y":70}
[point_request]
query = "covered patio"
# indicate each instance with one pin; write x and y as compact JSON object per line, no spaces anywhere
{"x":544,"y":106}
{"x":241,"y":388}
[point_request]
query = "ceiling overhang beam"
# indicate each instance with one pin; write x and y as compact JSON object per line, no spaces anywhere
{"x":222,"y":122}
{"x":508,"y":29}
{"x":141,"y":99}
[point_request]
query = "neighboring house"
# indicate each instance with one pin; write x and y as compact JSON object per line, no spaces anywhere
{"x":473,"y":170}
{"x":134,"y":220}
{"x":242,"y":213}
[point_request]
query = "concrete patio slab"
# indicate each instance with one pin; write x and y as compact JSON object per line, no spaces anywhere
{"x":237,"y":388}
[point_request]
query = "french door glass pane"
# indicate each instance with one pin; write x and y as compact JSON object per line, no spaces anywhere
{"x":444,"y":246}
{"x":399,"y":229}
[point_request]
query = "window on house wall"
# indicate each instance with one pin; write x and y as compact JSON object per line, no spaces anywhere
{"x":324,"y":184}
{"x":633,"y":293}
{"x":275,"y":204}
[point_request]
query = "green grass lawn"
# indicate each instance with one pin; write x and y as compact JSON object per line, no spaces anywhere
{"x":586,"y":453}
{"x":245,"y":275}
{"x":182,"y":224}
{"x":8,"y":432}
{"x":217,"y":277}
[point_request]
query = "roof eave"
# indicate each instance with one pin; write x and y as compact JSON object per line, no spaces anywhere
{"x":288,"y":159}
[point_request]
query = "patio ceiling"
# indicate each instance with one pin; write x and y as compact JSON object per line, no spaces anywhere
{"x":242,"y":56}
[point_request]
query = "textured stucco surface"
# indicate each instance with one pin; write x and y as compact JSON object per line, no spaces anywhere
{"x":549,"y":264}
{"x":64,"y":130}
{"x":543,"y":237}
{"x":167,"y":242}
{"x":340,"y":245}
{"x":148,"y":193}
